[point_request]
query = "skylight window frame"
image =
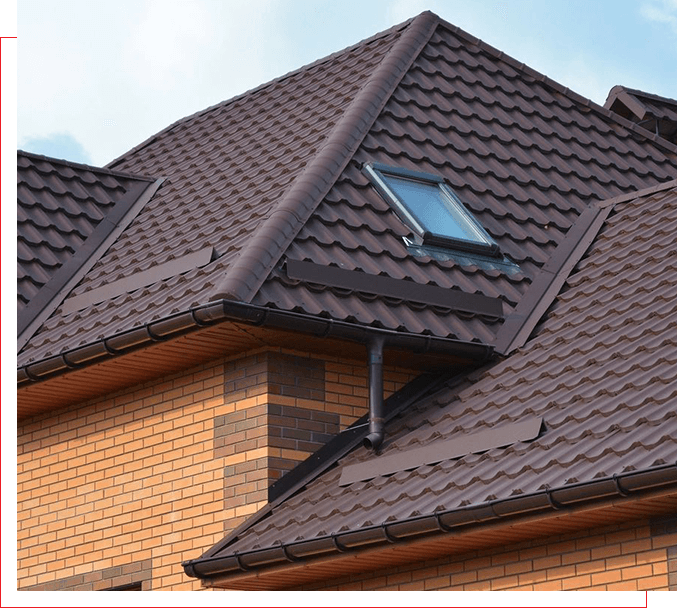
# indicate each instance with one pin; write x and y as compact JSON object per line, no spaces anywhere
{"x":482,"y":244}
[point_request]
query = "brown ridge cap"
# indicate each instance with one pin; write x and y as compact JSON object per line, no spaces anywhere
{"x":271,"y":240}
{"x":547,"y":284}
{"x":631,"y":196}
{"x":536,"y":75}
{"x":626,"y":97}
{"x":639,"y":93}
{"x":52,"y":293}
{"x":84,"y":166}
{"x":258,"y":88}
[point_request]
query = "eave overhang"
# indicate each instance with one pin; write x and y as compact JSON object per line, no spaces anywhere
{"x":643,"y":493}
{"x":205,"y":333}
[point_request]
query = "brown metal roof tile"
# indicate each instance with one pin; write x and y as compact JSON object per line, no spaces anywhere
{"x":63,"y":217}
{"x":606,"y":395}
{"x":525,"y":155}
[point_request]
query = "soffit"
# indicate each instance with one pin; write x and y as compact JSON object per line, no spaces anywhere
{"x":194,"y":348}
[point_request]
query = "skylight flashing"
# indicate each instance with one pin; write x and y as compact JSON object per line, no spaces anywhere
{"x":417,"y":248}
{"x":431,"y":209}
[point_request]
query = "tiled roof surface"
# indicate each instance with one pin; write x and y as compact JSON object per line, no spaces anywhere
{"x":601,"y":372}
{"x":59,"y":204}
{"x":526,"y":156}
{"x":227,"y":168}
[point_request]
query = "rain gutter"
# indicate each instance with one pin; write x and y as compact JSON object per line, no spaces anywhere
{"x":630,"y":484}
{"x":251,"y":314}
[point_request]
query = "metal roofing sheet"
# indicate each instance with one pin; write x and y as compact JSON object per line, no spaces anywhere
{"x":601,"y":372}
{"x":524,"y":154}
{"x":59,"y":204}
{"x":227,"y":167}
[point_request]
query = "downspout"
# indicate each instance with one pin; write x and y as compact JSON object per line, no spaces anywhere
{"x":376,"y":413}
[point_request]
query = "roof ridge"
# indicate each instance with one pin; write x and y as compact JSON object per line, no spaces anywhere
{"x":261,"y":87}
{"x":635,"y":194}
{"x":560,"y":88}
{"x":88,"y":167}
{"x":257,"y":259}
{"x":621,"y":88}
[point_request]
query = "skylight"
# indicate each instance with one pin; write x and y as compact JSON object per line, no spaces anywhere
{"x":431,"y":209}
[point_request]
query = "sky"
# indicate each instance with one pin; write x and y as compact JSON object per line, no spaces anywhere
{"x":96,"y":78}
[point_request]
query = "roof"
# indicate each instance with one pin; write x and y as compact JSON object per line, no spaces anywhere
{"x":584,"y":410}
{"x":273,"y":177}
{"x":61,"y":212}
{"x":653,"y":112}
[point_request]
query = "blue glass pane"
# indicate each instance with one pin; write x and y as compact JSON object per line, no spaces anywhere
{"x":431,"y":208}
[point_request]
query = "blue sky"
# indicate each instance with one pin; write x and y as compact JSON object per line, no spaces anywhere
{"x":96,"y":78}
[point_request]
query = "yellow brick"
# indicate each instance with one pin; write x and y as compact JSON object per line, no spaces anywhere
{"x":655,"y":583}
{"x":642,"y":571}
{"x":603,"y":578}
{"x":505,"y":582}
{"x":548,"y":586}
{"x":622,"y":586}
{"x":665,"y":540}
{"x":576,"y":582}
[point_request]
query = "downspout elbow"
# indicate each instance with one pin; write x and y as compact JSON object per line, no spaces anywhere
{"x":376,"y":412}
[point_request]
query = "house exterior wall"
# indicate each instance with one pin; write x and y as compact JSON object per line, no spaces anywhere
{"x":636,"y":556}
{"x":118,"y":491}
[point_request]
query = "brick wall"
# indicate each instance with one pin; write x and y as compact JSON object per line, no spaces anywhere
{"x":637,"y":556}
{"x":117,"y":492}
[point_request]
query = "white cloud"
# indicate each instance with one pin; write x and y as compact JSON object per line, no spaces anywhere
{"x":58,"y":145}
{"x":661,"y":11}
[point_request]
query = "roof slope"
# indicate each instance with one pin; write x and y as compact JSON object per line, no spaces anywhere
{"x":274,"y":175}
{"x":59,"y":206}
{"x":227,"y":168}
{"x":601,"y":374}
{"x":525,"y":155}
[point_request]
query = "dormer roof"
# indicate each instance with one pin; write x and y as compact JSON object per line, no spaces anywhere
{"x":576,"y":427}
{"x":652,"y":112}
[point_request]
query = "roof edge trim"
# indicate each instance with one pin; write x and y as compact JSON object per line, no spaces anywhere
{"x":624,"y":486}
{"x":567,"y":92}
{"x":283,"y":224}
{"x":518,"y":326}
{"x":52,"y":294}
{"x":251,"y":314}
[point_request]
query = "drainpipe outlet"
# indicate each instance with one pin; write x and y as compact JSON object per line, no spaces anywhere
{"x":376,"y":412}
